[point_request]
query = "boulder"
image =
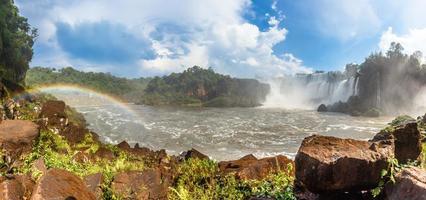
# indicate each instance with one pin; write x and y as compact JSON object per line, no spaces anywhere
{"x":328,"y":164}
{"x":142,"y":185}
{"x":94,"y":183}
{"x":410,"y":183}
{"x":53,"y":112}
{"x":124,"y":146}
{"x":17,"y":136}
{"x":104,"y":153}
{"x":74,"y":134}
{"x":20,"y":187}
{"x":61,"y":184}
{"x":407,"y":139}
{"x":193,"y":153}
{"x":322,"y":108}
{"x":249,"y":167}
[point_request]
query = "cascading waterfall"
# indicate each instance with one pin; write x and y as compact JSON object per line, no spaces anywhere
{"x":307,"y":91}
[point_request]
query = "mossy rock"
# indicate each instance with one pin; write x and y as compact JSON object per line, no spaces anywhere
{"x":372,"y":112}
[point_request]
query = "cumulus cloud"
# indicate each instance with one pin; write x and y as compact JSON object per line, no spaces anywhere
{"x":155,"y":37}
{"x":414,"y":40}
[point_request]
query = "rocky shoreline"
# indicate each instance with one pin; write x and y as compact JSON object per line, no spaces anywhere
{"x":49,"y":153}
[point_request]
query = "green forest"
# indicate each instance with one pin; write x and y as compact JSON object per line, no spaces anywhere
{"x":130,"y":90}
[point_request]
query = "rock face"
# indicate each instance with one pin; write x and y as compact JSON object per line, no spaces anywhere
{"x":61,"y":184}
{"x":249,"y":167}
{"x":410,"y":184}
{"x":328,"y":164}
{"x":17,"y":136}
{"x":407,"y":139}
{"x":140,"y":185}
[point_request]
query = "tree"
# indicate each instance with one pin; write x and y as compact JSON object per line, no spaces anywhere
{"x":16,"y":42}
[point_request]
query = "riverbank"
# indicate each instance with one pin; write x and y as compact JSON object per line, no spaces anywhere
{"x":52,"y":154}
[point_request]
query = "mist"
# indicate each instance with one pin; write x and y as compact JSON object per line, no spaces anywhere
{"x":393,"y":83}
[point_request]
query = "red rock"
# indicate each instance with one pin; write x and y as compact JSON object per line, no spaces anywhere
{"x":61,"y":184}
{"x":407,"y":139}
{"x":17,"y":136}
{"x":249,"y":167}
{"x":104,"y":153}
{"x":54,"y":112}
{"x":328,"y":164}
{"x":74,"y":134}
{"x":142,"y":185}
{"x":94,"y":183}
{"x":410,"y":184}
{"x":124,"y":146}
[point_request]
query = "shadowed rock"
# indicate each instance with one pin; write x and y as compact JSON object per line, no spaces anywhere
{"x":328,"y":164}
{"x":410,"y":184}
{"x":249,"y":167}
{"x":17,"y":136}
{"x":61,"y":184}
{"x":140,"y":185}
{"x":407,"y":139}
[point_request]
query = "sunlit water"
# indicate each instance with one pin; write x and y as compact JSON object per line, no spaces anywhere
{"x":223,"y":134}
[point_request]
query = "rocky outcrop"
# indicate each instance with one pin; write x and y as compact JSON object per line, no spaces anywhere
{"x":407,"y":140}
{"x":249,"y":167}
{"x":61,"y":184}
{"x":142,"y":185}
{"x":74,"y":134}
{"x":410,"y":184}
{"x":328,"y":164}
{"x":17,"y":136}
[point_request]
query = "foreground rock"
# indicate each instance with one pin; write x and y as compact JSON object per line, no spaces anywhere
{"x":249,"y":167}
{"x":407,"y":140}
{"x":140,"y":185}
{"x":61,"y":184}
{"x":20,"y":187}
{"x":327,"y":164}
{"x":17,"y":136}
{"x":410,"y":184}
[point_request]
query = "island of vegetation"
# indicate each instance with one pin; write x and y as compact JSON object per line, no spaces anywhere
{"x":193,"y":87}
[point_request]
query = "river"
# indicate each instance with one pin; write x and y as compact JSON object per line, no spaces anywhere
{"x":221,"y":133}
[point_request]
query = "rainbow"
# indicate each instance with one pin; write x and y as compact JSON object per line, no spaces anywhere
{"x":110,"y":99}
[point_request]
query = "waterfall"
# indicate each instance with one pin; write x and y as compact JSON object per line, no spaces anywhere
{"x":307,"y":91}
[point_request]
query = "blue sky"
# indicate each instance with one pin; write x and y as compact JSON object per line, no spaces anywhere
{"x":244,"y":38}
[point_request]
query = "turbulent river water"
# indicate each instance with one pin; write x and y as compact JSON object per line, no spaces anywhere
{"x":221,"y":133}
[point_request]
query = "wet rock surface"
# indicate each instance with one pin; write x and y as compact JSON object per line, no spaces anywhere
{"x":410,"y":184}
{"x":61,"y":184}
{"x":327,"y":164}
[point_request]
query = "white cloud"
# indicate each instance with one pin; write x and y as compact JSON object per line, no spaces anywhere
{"x":414,"y":40}
{"x":346,"y":19}
{"x":181,"y":33}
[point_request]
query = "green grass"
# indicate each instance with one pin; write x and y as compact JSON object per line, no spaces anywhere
{"x":201,"y":179}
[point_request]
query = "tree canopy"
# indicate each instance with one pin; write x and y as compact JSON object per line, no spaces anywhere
{"x":16,"y":42}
